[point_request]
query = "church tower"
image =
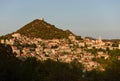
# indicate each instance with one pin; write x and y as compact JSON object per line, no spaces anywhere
{"x":99,"y":39}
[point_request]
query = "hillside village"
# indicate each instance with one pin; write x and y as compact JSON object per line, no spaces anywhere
{"x":64,"y":50}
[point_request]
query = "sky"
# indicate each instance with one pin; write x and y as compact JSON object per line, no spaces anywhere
{"x":91,"y":18}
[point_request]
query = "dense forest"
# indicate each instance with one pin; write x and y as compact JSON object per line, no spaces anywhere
{"x":31,"y":69}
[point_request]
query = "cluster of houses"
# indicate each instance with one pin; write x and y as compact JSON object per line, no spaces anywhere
{"x":64,"y":50}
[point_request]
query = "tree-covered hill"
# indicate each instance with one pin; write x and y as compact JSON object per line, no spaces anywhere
{"x":44,"y":30}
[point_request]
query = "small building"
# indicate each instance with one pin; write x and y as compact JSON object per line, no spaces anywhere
{"x":42,"y":19}
{"x":119,"y":46}
{"x":2,"y":41}
{"x":16,"y":35}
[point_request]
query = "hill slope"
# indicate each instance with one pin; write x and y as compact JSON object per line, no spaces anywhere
{"x":44,"y":30}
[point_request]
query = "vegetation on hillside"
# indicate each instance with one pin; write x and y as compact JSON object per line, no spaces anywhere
{"x":44,"y":30}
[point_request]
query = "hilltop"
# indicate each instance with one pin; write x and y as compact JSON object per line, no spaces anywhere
{"x":41,"y":29}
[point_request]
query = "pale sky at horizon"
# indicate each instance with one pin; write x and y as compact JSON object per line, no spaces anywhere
{"x":83,"y":17}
